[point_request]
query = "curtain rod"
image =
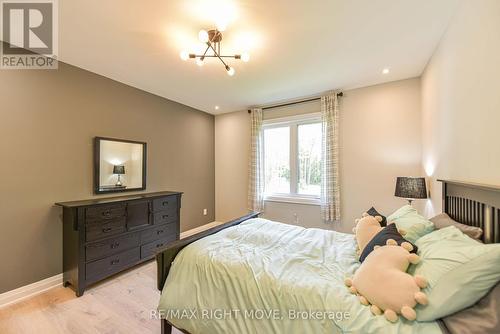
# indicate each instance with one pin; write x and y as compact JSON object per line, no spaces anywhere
{"x":296,"y":102}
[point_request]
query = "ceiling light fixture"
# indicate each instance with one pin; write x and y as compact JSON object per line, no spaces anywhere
{"x":212,"y":39}
{"x":385,"y":71}
{"x":216,"y":107}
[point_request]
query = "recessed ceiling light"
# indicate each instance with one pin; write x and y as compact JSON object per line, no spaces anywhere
{"x":385,"y":71}
{"x":216,"y":107}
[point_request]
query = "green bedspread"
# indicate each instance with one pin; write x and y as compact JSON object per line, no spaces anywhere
{"x":268,"y":277}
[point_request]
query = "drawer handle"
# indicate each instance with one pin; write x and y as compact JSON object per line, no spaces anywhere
{"x":165,"y":203}
{"x":106,"y":213}
{"x":165,"y":216}
{"x":115,"y":245}
{"x":107,"y":229}
{"x":115,"y":261}
{"x":159,"y":245}
{"x":159,"y":232}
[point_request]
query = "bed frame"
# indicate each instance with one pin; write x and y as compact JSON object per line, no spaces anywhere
{"x":474,"y":204}
{"x":468,"y":203}
{"x":166,"y":256}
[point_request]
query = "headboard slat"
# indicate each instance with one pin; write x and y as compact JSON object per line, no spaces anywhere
{"x":481,"y":221}
{"x":477,"y":221}
{"x":456,"y":210}
{"x":474,"y":205}
{"x":464,"y":210}
{"x":468,"y":208}
{"x":496,"y":227}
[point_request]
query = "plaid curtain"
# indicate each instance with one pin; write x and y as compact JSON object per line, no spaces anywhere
{"x":330,"y":190}
{"x":256,"y":168}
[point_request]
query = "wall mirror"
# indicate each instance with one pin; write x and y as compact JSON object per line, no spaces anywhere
{"x":119,"y":165}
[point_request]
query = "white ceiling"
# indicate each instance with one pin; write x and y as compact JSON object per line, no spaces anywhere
{"x":297,"y":48}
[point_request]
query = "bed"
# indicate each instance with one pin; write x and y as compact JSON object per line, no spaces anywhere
{"x":252,"y":275}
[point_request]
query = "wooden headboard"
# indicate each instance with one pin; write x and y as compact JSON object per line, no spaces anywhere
{"x":474,"y":204}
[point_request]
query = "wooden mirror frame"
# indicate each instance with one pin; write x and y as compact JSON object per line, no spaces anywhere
{"x":97,"y":165}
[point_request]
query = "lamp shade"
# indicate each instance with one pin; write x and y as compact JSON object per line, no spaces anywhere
{"x":411,"y":187}
{"x":120,"y":169}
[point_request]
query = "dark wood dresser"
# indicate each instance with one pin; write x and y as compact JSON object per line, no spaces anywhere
{"x":102,"y":237}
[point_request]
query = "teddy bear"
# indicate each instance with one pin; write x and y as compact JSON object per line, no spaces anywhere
{"x":382,"y":281}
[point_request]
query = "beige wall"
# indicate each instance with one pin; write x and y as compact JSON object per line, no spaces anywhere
{"x":380,"y":139}
{"x":461,"y":100}
{"x":47,"y":122}
{"x":232,"y":144}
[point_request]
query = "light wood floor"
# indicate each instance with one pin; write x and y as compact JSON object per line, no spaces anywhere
{"x":122,"y":304}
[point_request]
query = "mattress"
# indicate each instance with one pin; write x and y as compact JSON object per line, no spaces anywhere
{"x":268,"y":277}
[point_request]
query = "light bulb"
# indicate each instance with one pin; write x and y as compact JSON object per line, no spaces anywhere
{"x":230,"y":71}
{"x":385,"y":71}
{"x":221,"y":25}
{"x":199,"y":62}
{"x":203,"y":36}
{"x":184,"y":55}
{"x":245,"y":57}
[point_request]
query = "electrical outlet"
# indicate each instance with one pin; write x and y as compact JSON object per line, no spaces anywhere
{"x":205,"y":212}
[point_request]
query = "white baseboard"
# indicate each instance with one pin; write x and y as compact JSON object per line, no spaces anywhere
{"x":30,"y":290}
{"x":199,"y":229}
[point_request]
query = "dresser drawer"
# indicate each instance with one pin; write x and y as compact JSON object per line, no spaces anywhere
{"x":111,"y":264}
{"x":165,"y":204}
{"x":149,"y":249}
{"x":158,"y":233}
{"x":105,"y":212}
{"x":165,"y":217}
{"x":101,"y":249}
{"x":102,"y":229}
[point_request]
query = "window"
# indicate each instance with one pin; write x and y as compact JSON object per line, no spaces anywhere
{"x":309,"y":158}
{"x":292,"y":159}
{"x":277,"y":160}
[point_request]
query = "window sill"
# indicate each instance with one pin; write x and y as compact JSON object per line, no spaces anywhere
{"x":294,"y":200}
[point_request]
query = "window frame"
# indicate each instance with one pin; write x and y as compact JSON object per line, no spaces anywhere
{"x":293,"y":123}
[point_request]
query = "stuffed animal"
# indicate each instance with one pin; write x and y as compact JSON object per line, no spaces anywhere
{"x":366,"y":228}
{"x":381,"y":280}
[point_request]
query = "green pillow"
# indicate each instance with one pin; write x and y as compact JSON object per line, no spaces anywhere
{"x":408,"y":219}
{"x":459,"y":271}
